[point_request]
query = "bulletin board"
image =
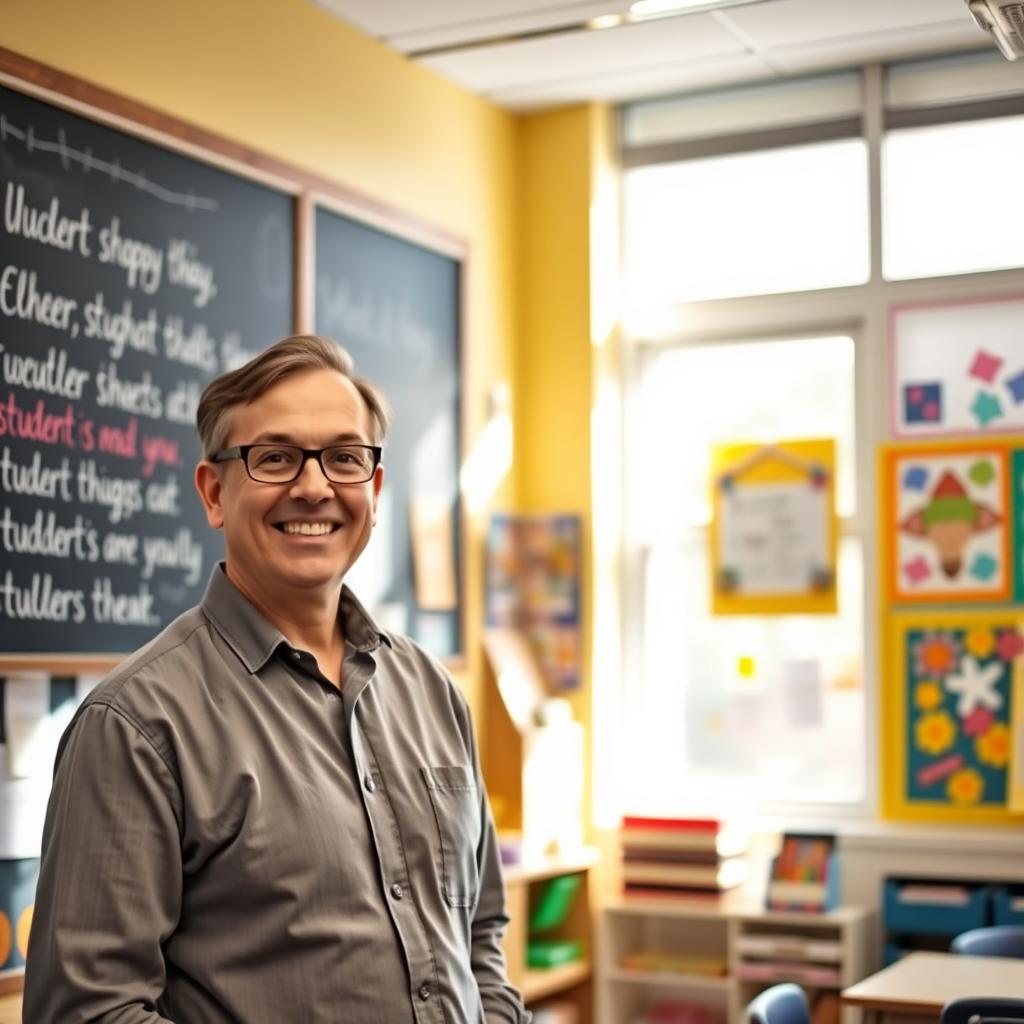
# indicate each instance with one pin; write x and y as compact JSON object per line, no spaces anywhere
{"x":957,"y":367}
{"x":774,"y":531}
{"x":949,"y":521}
{"x":952,"y":719}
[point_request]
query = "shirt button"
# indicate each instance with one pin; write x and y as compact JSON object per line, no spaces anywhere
{"x":370,"y":784}
{"x":297,"y":655}
{"x":424,"y":992}
{"x":396,"y":891}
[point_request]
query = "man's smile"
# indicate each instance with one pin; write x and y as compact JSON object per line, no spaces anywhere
{"x":308,"y":529}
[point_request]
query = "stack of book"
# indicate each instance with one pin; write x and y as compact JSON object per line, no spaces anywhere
{"x":681,"y":855}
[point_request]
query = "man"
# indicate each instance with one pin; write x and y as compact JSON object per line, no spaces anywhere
{"x":273,"y":812}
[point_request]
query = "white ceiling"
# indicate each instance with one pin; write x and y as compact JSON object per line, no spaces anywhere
{"x":486,"y":46}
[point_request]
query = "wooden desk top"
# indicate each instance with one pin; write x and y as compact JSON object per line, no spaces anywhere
{"x":925,"y":982}
{"x":10,"y":1009}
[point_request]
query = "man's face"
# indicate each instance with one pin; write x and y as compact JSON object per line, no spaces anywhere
{"x":312,"y":409}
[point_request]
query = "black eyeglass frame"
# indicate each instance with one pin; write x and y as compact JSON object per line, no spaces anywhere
{"x":241,"y":451}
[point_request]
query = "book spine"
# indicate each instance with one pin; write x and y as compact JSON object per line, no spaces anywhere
{"x":672,"y":824}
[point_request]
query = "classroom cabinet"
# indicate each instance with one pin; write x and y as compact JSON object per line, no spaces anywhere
{"x":718,"y":955}
{"x":569,"y":983}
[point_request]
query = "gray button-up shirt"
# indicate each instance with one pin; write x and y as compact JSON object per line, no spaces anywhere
{"x":229,"y":839}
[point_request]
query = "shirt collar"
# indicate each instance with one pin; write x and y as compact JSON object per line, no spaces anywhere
{"x":254,"y":638}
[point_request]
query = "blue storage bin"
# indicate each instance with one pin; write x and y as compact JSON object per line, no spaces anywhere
{"x":935,"y":917}
{"x":1008,"y":904}
{"x":892,"y":953}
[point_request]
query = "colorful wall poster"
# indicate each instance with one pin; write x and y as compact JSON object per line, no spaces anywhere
{"x":533,"y":583}
{"x":773,"y":536}
{"x":950,"y":689}
{"x":957,"y":367}
{"x":1017,"y":489}
{"x":946,"y":522}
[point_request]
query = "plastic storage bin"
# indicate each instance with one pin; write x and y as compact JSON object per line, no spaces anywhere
{"x":934,"y":907}
{"x":1008,"y":904}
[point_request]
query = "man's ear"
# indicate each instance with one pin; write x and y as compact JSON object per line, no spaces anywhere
{"x":378,"y":483}
{"x":209,"y":485}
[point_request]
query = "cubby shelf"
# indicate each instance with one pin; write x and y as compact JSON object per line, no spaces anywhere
{"x":573,"y":981}
{"x":723,"y":928}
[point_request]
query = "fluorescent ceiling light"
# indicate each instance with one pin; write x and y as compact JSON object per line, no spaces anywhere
{"x":666,"y":8}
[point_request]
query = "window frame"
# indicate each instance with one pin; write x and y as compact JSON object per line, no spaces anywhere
{"x":862,"y":312}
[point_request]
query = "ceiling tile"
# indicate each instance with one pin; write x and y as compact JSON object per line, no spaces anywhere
{"x":649,"y":81}
{"x":448,"y":20}
{"x":554,"y":58}
{"x":870,"y":47}
{"x":788,"y":22}
{"x":471,"y":30}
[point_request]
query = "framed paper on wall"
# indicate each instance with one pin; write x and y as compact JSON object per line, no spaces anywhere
{"x":773,"y":535}
{"x":957,"y":367}
{"x":951,"y":685}
{"x":946,"y":522}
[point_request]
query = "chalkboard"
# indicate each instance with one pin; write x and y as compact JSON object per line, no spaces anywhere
{"x":130,"y":274}
{"x":395,"y":305}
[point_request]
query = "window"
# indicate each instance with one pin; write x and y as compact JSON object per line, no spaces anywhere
{"x":701,"y":732}
{"x":950,"y":198}
{"x":779,"y":220}
{"x":758,"y":263}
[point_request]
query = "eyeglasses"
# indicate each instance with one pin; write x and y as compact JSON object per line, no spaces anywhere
{"x":282,"y":463}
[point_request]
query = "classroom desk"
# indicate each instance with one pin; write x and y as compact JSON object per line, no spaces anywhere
{"x":10,"y":1009}
{"x":922,"y":983}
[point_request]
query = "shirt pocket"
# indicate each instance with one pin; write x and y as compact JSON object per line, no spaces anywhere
{"x":456,"y":803}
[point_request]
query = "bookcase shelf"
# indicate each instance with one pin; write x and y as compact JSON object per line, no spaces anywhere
{"x":571,"y":982}
{"x":823,"y":952}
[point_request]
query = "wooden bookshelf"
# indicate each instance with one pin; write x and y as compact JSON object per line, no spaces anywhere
{"x":572,"y":982}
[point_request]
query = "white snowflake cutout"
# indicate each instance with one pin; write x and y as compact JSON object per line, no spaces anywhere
{"x":976,"y":686}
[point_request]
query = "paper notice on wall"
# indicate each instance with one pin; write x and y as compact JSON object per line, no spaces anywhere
{"x":433,"y":552}
{"x":27,"y":724}
{"x":774,"y":536}
{"x":22,"y":812}
{"x":802,"y":692}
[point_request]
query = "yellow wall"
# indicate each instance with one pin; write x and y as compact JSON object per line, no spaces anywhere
{"x":565,"y":347}
{"x":284,"y":77}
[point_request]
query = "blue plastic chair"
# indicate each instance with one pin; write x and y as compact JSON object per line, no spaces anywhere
{"x":780,"y":1004}
{"x":982,"y":1010}
{"x":999,"y":940}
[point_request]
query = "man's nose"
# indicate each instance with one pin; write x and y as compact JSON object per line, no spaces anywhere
{"x":311,"y":483}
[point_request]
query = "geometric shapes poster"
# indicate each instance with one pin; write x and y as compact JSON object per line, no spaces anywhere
{"x":774,"y":533}
{"x":533,"y":579}
{"x":957,"y":367}
{"x":947,"y":522}
{"x":952,"y":684}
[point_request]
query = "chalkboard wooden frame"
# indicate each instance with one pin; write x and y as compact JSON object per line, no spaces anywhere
{"x":64,"y":91}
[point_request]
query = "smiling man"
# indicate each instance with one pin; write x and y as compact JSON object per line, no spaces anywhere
{"x":273,"y":812}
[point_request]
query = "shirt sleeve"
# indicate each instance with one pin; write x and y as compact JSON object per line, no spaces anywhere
{"x":110,"y":878}
{"x":501,"y":1001}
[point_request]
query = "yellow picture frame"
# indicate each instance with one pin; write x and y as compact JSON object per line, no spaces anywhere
{"x":755,"y":465}
{"x":946,"y":758}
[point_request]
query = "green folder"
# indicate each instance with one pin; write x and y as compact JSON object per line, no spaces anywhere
{"x":554,"y":903}
{"x":553,"y":952}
